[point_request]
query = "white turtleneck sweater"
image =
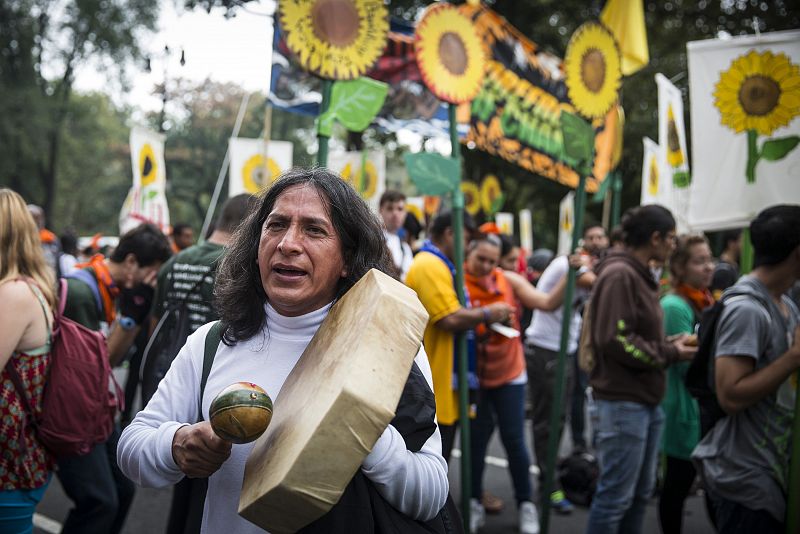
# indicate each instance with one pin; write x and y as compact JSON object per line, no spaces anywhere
{"x":414,"y":483}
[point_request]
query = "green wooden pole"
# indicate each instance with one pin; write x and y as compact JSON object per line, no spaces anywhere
{"x":322,"y":153}
{"x":558,"y":398}
{"x":793,"y":510}
{"x":461,"y":340}
{"x":746,"y":254}
{"x":616,"y":197}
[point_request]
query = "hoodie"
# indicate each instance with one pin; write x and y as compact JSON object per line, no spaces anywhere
{"x":628,"y":333}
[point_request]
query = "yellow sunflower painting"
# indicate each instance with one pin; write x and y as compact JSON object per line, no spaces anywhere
{"x":450,"y":54}
{"x":592,"y":67}
{"x":365,"y":185}
{"x":674,"y":152}
{"x":472,"y":197}
{"x":652,"y":178}
{"x":148,"y":170}
{"x":336,"y":39}
{"x":254,"y":170}
{"x":759,"y":93}
{"x":491,"y":194}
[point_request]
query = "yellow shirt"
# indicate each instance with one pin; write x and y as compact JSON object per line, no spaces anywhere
{"x":430,"y":277}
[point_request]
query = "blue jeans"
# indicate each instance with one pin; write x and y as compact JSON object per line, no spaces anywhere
{"x":17,"y":507}
{"x":506,"y":406}
{"x":627,"y":438}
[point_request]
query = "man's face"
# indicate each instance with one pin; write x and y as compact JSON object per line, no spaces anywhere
{"x":184,"y":239}
{"x":132,"y":274}
{"x":595,"y":240}
{"x":663,"y":245}
{"x":393,"y":215}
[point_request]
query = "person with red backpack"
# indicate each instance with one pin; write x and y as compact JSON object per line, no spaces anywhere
{"x":26,"y":319}
{"x":112,"y":295}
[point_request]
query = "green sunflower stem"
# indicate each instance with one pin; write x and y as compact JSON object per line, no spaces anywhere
{"x":752,"y":156}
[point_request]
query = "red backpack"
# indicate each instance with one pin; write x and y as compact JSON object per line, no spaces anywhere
{"x":78,"y":409}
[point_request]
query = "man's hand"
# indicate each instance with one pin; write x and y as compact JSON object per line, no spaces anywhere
{"x":686,"y":351}
{"x":499,"y":312}
{"x":198,"y":451}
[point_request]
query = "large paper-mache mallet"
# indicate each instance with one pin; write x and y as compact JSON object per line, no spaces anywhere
{"x":241,"y":412}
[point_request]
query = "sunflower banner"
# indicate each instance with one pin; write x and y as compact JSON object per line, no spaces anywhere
{"x":505,"y":222}
{"x":255,"y":164}
{"x":526,"y":229}
{"x":516,"y":114}
{"x":146,"y":201}
{"x":745,"y":103}
{"x":656,"y":181}
{"x":147,"y":158}
{"x":365,"y":171}
{"x":566,"y":223}
{"x":671,"y":131}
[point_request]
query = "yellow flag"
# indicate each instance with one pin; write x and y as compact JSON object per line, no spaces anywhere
{"x":625,"y":19}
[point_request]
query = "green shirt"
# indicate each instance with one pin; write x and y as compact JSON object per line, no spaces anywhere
{"x":81,"y":305}
{"x":681,"y":414}
{"x":180,"y":275}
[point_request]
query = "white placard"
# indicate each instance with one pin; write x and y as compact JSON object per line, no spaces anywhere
{"x":146,"y":201}
{"x":255,"y":164}
{"x":370,"y":184}
{"x":566,"y":223}
{"x":505,"y":222}
{"x":526,"y":230}
{"x":720,"y":195}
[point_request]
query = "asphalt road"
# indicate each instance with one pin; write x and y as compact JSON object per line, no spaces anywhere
{"x":150,"y":507}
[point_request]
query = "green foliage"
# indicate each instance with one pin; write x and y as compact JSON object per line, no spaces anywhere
{"x":42,"y":44}
{"x":354,"y":103}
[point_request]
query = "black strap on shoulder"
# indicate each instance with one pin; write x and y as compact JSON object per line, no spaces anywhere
{"x":213,"y":338}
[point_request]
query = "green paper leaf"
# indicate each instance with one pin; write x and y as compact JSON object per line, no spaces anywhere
{"x":775,"y":149}
{"x":325,"y":124}
{"x":600,"y":194}
{"x":433,"y":174}
{"x":681,"y":179}
{"x":497,"y":204}
{"x":151,"y":195}
{"x":354,"y":103}
{"x":578,"y":136}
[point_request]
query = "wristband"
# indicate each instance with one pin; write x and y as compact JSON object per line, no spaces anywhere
{"x":126,"y":323}
{"x":486,"y":314}
{"x":583,"y":270}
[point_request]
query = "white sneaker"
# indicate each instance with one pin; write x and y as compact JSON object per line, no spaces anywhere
{"x":528,"y":518}
{"x":477,"y":516}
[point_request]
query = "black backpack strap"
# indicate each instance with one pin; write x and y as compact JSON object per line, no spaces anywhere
{"x":213,"y":338}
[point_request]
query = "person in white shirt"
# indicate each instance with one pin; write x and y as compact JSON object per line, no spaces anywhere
{"x":310,"y":239}
{"x":393,"y":213}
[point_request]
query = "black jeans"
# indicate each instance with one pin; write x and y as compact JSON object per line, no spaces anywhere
{"x":101,"y":493}
{"x":542,"y":364}
{"x":577,"y":416}
{"x":678,"y":480}
{"x":448,"y":433}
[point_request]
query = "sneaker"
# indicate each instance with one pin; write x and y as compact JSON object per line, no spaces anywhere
{"x":528,"y":518}
{"x":477,"y":516}
{"x":492,"y":504}
{"x":560,"y":504}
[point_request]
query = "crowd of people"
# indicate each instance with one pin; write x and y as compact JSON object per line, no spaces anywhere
{"x":273,"y":266}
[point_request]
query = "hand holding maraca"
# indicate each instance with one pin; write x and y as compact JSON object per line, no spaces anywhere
{"x":240,"y":413}
{"x":198,"y":451}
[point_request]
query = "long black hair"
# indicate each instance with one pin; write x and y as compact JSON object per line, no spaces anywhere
{"x":239,"y":293}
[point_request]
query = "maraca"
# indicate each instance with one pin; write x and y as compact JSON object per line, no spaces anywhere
{"x":241,"y":412}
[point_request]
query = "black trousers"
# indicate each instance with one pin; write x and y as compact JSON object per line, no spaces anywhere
{"x":678,"y":480}
{"x":101,"y":493}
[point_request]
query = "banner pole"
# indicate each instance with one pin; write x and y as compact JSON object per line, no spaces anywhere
{"x":322,"y":153}
{"x":461,"y":339}
{"x":554,"y":436}
{"x":223,"y":170}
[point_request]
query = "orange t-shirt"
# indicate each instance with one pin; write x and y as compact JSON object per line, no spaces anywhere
{"x":500,"y":359}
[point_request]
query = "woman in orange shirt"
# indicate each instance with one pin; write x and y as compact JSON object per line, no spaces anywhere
{"x":502,"y":375}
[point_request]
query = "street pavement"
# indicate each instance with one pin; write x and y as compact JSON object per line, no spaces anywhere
{"x":151,"y":506}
